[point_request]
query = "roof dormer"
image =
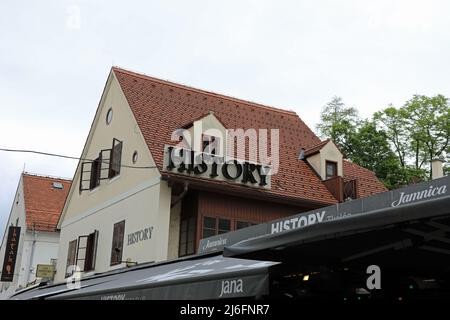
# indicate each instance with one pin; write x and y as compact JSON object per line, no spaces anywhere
{"x":207,"y":134}
{"x":325,"y":158}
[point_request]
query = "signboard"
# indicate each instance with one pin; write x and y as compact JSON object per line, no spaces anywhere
{"x":394,"y":199}
{"x":205,"y":165}
{"x":45,"y":271}
{"x":12,"y":245}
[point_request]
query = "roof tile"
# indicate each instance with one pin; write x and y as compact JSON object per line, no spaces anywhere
{"x":160,"y":107}
{"x":43,"y":203}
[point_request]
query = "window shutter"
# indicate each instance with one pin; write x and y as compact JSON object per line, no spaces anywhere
{"x":95,"y":173}
{"x":85,"y":176}
{"x":116,"y":158}
{"x":105,"y":156}
{"x":71,"y":252}
{"x":91,"y":251}
{"x":117,"y":243}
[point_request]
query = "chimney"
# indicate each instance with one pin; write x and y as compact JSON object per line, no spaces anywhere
{"x":437,"y":168}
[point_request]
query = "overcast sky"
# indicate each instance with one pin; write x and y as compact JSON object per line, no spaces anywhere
{"x":55,"y":57}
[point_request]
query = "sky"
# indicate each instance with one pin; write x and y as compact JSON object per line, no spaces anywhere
{"x":55,"y":57}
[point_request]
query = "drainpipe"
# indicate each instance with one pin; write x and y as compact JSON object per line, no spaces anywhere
{"x":30,"y":269}
{"x":181,"y":196}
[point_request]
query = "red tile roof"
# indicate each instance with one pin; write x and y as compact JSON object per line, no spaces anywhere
{"x":368,"y":184}
{"x":316,"y":148}
{"x":160,"y":107}
{"x":43,"y":202}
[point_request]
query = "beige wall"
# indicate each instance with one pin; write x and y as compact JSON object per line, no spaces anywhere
{"x":137,"y":196}
{"x":123,"y":127}
{"x":328,"y":153}
{"x":141,"y":208}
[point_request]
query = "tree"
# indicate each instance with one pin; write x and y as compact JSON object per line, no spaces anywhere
{"x":338,"y":123}
{"x":370,"y":149}
{"x":395,"y":124}
{"x":429,"y":127}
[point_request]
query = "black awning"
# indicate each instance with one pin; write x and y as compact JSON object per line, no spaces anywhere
{"x":426,"y":211}
{"x":423,"y":201}
{"x":214,"y":277}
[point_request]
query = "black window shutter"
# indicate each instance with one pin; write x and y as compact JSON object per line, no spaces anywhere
{"x":117,"y":243}
{"x":85,"y":176}
{"x":95,"y":173}
{"x":91,"y":250}
{"x":116,"y":158}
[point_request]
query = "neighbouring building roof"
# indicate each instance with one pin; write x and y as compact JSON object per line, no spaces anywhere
{"x":160,"y":107}
{"x":43,"y":201}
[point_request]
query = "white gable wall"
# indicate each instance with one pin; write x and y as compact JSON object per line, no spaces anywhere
{"x":45,"y":247}
{"x":137,"y":196}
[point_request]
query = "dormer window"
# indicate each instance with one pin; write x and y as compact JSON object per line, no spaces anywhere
{"x":210,"y":144}
{"x":331,"y":169}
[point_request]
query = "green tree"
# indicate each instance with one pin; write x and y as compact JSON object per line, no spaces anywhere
{"x":338,"y":123}
{"x":395,"y":124}
{"x":370,"y":149}
{"x":429,"y":127}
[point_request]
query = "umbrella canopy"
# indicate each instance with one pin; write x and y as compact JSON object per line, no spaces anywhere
{"x":214,"y":277}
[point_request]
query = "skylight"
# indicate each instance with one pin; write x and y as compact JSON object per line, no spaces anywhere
{"x":57,"y":185}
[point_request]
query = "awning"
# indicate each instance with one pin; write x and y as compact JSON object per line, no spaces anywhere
{"x":423,"y":201}
{"x":413,"y":219}
{"x":214,"y":277}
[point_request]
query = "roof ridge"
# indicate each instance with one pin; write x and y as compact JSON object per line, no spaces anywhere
{"x":197,"y":90}
{"x":37,"y":175}
{"x":319,"y":143}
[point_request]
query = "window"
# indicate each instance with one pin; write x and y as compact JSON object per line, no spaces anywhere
{"x":187,"y":236}
{"x":117,"y":243}
{"x":87,"y":251}
{"x":135,"y":157}
{"x":95,"y":173}
{"x":109,"y":116}
{"x":210,"y":144}
{"x":209,"y":227}
{"x":116,"y":157}
{"x":331,"y":169}
{"x":224,"y":226}
{"x":71,"y":254}
{"x":57,"y":185}
{"x":91,"y":251}
{"x":243,"y":224}
{"x":213,"y":226}
{"x":105,"y":166}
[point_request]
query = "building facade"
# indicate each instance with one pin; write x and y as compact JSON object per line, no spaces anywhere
{"x":34,"y":214}
{"x":165,"y":165}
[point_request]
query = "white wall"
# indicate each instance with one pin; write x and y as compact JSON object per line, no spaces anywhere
{"x":46,"y":248}
{"x":17,"y":211}
{"x":137,"y":196}
{"x":147,"y":205}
